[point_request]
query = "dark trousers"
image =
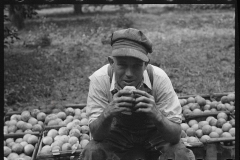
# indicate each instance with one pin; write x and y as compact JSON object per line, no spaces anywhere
{"x":146,"y":144}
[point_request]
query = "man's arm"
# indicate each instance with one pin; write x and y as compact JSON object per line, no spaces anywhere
{"x":101,"y":126}
{"x":170,"y":131}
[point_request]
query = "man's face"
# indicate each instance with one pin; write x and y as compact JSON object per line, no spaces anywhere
{"x":128,"y":71}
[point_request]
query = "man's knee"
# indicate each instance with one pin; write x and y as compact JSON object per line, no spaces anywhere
{"x":94,"y":151}
{"x":178,"y":152}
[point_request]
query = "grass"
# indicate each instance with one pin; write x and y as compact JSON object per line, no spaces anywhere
{"x":196,"y":49}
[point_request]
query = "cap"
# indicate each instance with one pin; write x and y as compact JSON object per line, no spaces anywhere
{"x":131,"y":42}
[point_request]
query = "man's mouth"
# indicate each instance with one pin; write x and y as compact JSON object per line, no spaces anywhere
{"x":128,"y":82}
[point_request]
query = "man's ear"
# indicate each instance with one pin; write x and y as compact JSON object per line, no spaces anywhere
{"x":110,"y":60}
{"x":146,"y":63}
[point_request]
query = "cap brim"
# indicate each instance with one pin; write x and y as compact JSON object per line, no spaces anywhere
{"x":129,"y":52}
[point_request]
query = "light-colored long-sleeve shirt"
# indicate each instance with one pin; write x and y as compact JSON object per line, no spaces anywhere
{"x":100,"y":95}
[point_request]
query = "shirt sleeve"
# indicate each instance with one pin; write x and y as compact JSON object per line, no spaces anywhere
{"x":97,"y":98}
{"x":167,"y":100}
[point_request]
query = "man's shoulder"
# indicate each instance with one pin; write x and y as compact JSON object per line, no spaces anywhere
{"x":158,"y":72}
{"x":101,"y":72}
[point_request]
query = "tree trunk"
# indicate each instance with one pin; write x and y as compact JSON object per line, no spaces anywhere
{"x":16,"y":16}
{"x":77,"y":9}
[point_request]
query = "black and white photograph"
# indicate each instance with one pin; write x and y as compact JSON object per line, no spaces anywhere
{"x":118,"y":81}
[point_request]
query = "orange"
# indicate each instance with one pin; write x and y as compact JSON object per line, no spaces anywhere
{"x":191,"y":100}
{"x":7,"y":151}
{"x":47,"y":140}
{"x":201,"y":101}
{"x":219,"y":131}
{"x":194,"y":106}
{"x":220,"y":122}
{"x":46,"y":149}
{"x":226,"y":134}
{"x":207,"y":129}
{"x":214,"y":104}
{"x":204,"y":138}
{"x":186,"y":111}
{"x":84,"y":143}
{"x":214,"y":135}
{"x":190,"y":132}
{"x":25,"y":115}
{"x":231,"y":97}
{"x":229,"y":107}
{"x":224,"y":99}
{"x":192,"y":139}
{"x":202,"y":123}
{"x":232,"y":122}
{"x":185,"y":107}
{"x":209,"y":118}
{"x":181,"y":102}
{"x":85,"y":129}
{"x":192,"y":122}
{"x":207,"y":107}
{"x":224,"y":107}
{"x":86,"y":136}
{"x":220,"y":106}
{"x":195,"y":127}
{"x":214,"y":128}
{"x":199,"y":133}
{"x":17,"y":148}
{"x":232,"y":132}
{"x":208,"y":101}
{"x":213,"y":109}
{"x":197,"y":110}
{"x":66,"y":146}
{"x":184,"y":126}
{"x":226,"y":127}
{"x":28,"y":149}
{"x":213,"y":122}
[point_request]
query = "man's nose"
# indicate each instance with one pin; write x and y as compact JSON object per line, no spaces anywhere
{"x":129,"y":72}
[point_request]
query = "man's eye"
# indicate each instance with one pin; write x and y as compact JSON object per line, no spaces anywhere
{"x":122,"y":64}
{"x":137,"y":65}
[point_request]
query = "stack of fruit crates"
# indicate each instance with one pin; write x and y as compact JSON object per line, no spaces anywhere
{"x":19,"y":140}
{"x":208,"y":126}
{"x":65,"y":134}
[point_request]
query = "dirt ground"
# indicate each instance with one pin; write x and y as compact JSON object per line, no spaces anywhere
{"x":56,"y":55}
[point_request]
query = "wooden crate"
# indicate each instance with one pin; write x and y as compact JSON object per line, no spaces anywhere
{"x":21,"y":135}
{"x":60,"y":155}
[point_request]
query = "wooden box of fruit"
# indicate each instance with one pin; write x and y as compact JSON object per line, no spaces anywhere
{"x":21,"y":145}
{"x":197,"y":106}
{"x":65,"y":134}
{"x":212,"y":122}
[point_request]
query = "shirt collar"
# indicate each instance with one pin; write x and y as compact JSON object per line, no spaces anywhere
{"x":146,"y":81}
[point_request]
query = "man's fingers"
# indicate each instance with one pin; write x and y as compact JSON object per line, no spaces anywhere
{"x":122,"y":109}
{"x":123,"y":93}
{"x":142,"y":107}
{"x":125,"y":104}
{"x":125,"y":99}
{"x":142,"y":93}
{"x":143,"y":99}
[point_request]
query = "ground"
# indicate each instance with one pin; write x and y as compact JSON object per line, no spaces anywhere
{"x":55,"y":56}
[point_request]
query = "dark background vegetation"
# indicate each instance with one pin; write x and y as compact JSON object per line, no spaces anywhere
{"x":60,"y":46}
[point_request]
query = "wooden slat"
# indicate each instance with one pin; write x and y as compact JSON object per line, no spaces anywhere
{"x":53,"y":127}
{"x":206,"y":95}
{"x":80,"y":106}
{"x":223,"y":139}
{"x":19,"y":135}
{"x":204,"y":114}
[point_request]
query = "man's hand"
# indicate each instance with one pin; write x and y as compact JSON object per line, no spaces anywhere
{"x":122,"y":102}
{"x":146,"y":103}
